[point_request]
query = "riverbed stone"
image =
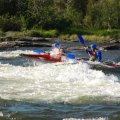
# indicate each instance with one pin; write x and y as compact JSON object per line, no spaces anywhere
{"x":110,"y":47}
{"x":24,"y":42}
{"x":27,"y":41}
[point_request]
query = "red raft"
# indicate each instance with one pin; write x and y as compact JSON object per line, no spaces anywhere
{"x":45,"y":57}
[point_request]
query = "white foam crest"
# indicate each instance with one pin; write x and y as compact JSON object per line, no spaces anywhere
{"x":15,"y":53}
{"x":1,"y":114}
{"x":56,"y":82}
{"x":100,"y":118}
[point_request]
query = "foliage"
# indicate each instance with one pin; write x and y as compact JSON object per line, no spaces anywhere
{"x":42,"y":33}
{"x":59,"y":14}
{"x":2,"y":33}
{"x":10,"y":23}
{"x":97,"y":38}
{"x":31,"y":33}
{"x":90,"y":35}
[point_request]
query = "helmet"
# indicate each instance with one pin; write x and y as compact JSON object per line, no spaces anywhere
{"x":93,"y":45}
{"x":56,"y":44}
{"x":70,"y":56}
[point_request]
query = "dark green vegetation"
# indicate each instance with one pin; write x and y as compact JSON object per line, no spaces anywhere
{"x":52,"y":17}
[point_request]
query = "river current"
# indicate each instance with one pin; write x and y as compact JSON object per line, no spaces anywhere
{"x":31,"y":90}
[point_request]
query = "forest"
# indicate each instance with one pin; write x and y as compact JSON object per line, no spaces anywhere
{"x":60,"y":15}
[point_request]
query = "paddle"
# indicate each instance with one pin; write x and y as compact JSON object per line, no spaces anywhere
{"x":70,"y":56}
{"x":81,"y":39}
{"x":38,"y":51}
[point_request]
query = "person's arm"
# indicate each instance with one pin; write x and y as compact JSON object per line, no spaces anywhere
{"x":63,"y":51}
{"x":87,"y":50}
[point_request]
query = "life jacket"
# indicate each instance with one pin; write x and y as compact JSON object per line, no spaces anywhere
{"x":95,"y":54}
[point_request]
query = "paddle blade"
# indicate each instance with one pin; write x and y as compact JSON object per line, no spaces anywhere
{"x":81,"y":39}
{"x":70,"y":56}
{"x":38,"y":51}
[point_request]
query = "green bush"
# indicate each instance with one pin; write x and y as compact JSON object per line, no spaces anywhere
{"x":42,"y":33}
{"x":97,"y":38}
{"x":34,"y":33}
{"x":78,"y":31}
{"x":112,"y":33}
{"x":50,"y":33}
{"x":2,"y":33}
{"x":11,"y":23}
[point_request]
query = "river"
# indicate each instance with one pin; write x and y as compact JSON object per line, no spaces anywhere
{"x":31,"y":90}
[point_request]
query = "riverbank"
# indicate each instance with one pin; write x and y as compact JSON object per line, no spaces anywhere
{"x":8,"y":43}
{"x":108,"y":40}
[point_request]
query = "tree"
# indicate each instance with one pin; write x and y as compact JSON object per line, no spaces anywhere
{"x":110,"y":13}
{"x":8,"y":7}
{"x":72,"y":14}
{"x":93,"y":16}
{"x":60,"y":14}
{"x":39,"y":12}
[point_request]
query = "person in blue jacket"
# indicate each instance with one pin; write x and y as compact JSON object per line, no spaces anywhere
{"x":94,"y":53}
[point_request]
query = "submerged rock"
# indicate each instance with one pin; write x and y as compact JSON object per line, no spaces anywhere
{"x":110,"y":47}
{"x":115,"y":41}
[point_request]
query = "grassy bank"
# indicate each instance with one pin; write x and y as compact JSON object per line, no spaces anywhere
{"x":92,"y":35}
{"x":87,"y":38}
{"x":30,"y":33}
{"x":69,"y":35}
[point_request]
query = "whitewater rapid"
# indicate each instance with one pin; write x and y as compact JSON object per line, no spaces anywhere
{"x":55,"y":82}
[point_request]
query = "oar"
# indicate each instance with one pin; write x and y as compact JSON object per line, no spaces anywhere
{"x":38,"y":51}
{"x":71,"y":56}
{"x":81,"y":39}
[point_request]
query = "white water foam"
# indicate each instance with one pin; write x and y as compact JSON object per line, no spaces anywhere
{"x":15,"y":53}
{"x":86,"y":119}
{"x":1,"y":114}
{"x":57,"y":82}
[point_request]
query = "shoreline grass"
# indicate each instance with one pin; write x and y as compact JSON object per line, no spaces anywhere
{"x":30,"y":33}
{"x":68,"y":35}
{"x":88,"y":38}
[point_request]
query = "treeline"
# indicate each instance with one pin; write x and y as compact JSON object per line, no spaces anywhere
{"x":59,"y":14}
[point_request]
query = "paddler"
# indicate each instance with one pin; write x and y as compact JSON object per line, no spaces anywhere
{"x":56,"y":51}
{"x":94,"y":53}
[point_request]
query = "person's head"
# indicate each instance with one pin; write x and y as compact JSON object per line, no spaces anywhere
{"x":93,"y":46}
{"x":56,"y":44}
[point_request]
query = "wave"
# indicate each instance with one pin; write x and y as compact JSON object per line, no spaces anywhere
{"x":57,"y":82}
